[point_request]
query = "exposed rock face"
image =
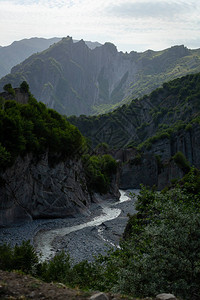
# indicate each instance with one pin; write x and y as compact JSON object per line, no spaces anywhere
{"x":74,"y":79}
{"x":165,"y":297}
{"x":150,"y":171}
{"x":34,"y":189}
{"x":145,"y":172}
{"x":99,"y":296}
{"x":19,"y":50}
{"x":20,"y":97}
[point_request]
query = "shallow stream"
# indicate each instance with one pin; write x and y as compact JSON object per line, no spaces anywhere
{"x":90,"y":237}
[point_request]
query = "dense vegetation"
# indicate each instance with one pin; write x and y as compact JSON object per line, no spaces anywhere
{"x":34,"y":128}
{"x":141,"y":123}
{"x":159,"y":252}
{"x":99,"y":170}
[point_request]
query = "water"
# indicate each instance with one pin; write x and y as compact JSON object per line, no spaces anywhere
{"x":110,"y":211}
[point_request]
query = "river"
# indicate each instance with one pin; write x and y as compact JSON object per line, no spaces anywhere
{"x":92,"y":237}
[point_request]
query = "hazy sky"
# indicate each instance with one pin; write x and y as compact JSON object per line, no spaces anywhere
{"x":129,"y":24}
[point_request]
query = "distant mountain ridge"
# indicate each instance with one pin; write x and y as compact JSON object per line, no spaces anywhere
{"x":166,"y":109}
{"x":74,"y":79}
{"x":18,"y":51}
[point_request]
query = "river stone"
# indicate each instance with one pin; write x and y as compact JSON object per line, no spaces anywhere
{"x":99,"y":296}
{"x":165,"y":297}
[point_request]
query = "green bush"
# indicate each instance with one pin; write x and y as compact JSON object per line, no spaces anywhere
{"x":165,"y":257}
{"x":99,"y":170}
{"x":181,"y":162}
{"x":8,"y":88}
{"x":24,"y":87}
{"x":22,"y":257}
{"x":191,"y":182}
{"x":137,"y":160}
{"x":5,"y":157}
{"x":58,"y":269}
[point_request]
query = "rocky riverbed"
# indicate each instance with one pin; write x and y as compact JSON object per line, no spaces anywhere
{"x":83,"y":236}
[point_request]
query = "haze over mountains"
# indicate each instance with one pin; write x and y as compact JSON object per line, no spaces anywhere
{"x":20,"y":50}
{"x":74,"y":79}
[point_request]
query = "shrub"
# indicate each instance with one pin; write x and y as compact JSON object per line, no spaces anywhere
{"x":22,"y":257}
{"x":58,"y":269}
{"x":181,"y":162}
{"x":5,"y":157}
{"x":137,"y":160}
{"x":8,"y":88}
{"x":163,"y":254}
{"x":24,"y":87}
{"x":99,"y":170}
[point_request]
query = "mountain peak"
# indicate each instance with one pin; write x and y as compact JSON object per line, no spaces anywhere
{"x":111,"y":47}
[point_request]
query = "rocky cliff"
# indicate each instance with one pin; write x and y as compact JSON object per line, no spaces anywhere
{"x":162,"y":112}
{"x":18,"y":96}
{"x":46,"y":170}
{"x":157,"y":166}
{"x":34,"y":188}
{"x":74,"y":79}
{"x":148,"y":132}
{"x":18,"y":51}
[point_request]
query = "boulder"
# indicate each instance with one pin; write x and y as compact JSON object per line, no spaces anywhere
{"x":99,"y":296}
{"x":165,"y":297}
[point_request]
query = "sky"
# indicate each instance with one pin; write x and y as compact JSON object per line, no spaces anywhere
{"x":132,"y":25}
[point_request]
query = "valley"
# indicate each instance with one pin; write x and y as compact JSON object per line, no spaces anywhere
{"x":62,"y":165}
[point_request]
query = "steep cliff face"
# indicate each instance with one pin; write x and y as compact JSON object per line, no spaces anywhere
{"x":162,"y":112}
{"x":20,"y":97}
{"x":33,"y":189}
{"x":156,"y":166}
{"x":18,"y":51}
{"x":74,"y":79}
{"x":40,"y":188}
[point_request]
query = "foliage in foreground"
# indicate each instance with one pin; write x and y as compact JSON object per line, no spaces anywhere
{"x":161,"y":251}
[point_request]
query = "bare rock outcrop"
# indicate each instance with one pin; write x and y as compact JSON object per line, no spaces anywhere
{"x":156,"y":166}
{"x":165,"y":297}
{"x":34,"y":188}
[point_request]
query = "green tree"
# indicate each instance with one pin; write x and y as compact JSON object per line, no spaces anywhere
{"x":8,"y":88}
{"x":24,"y":87}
